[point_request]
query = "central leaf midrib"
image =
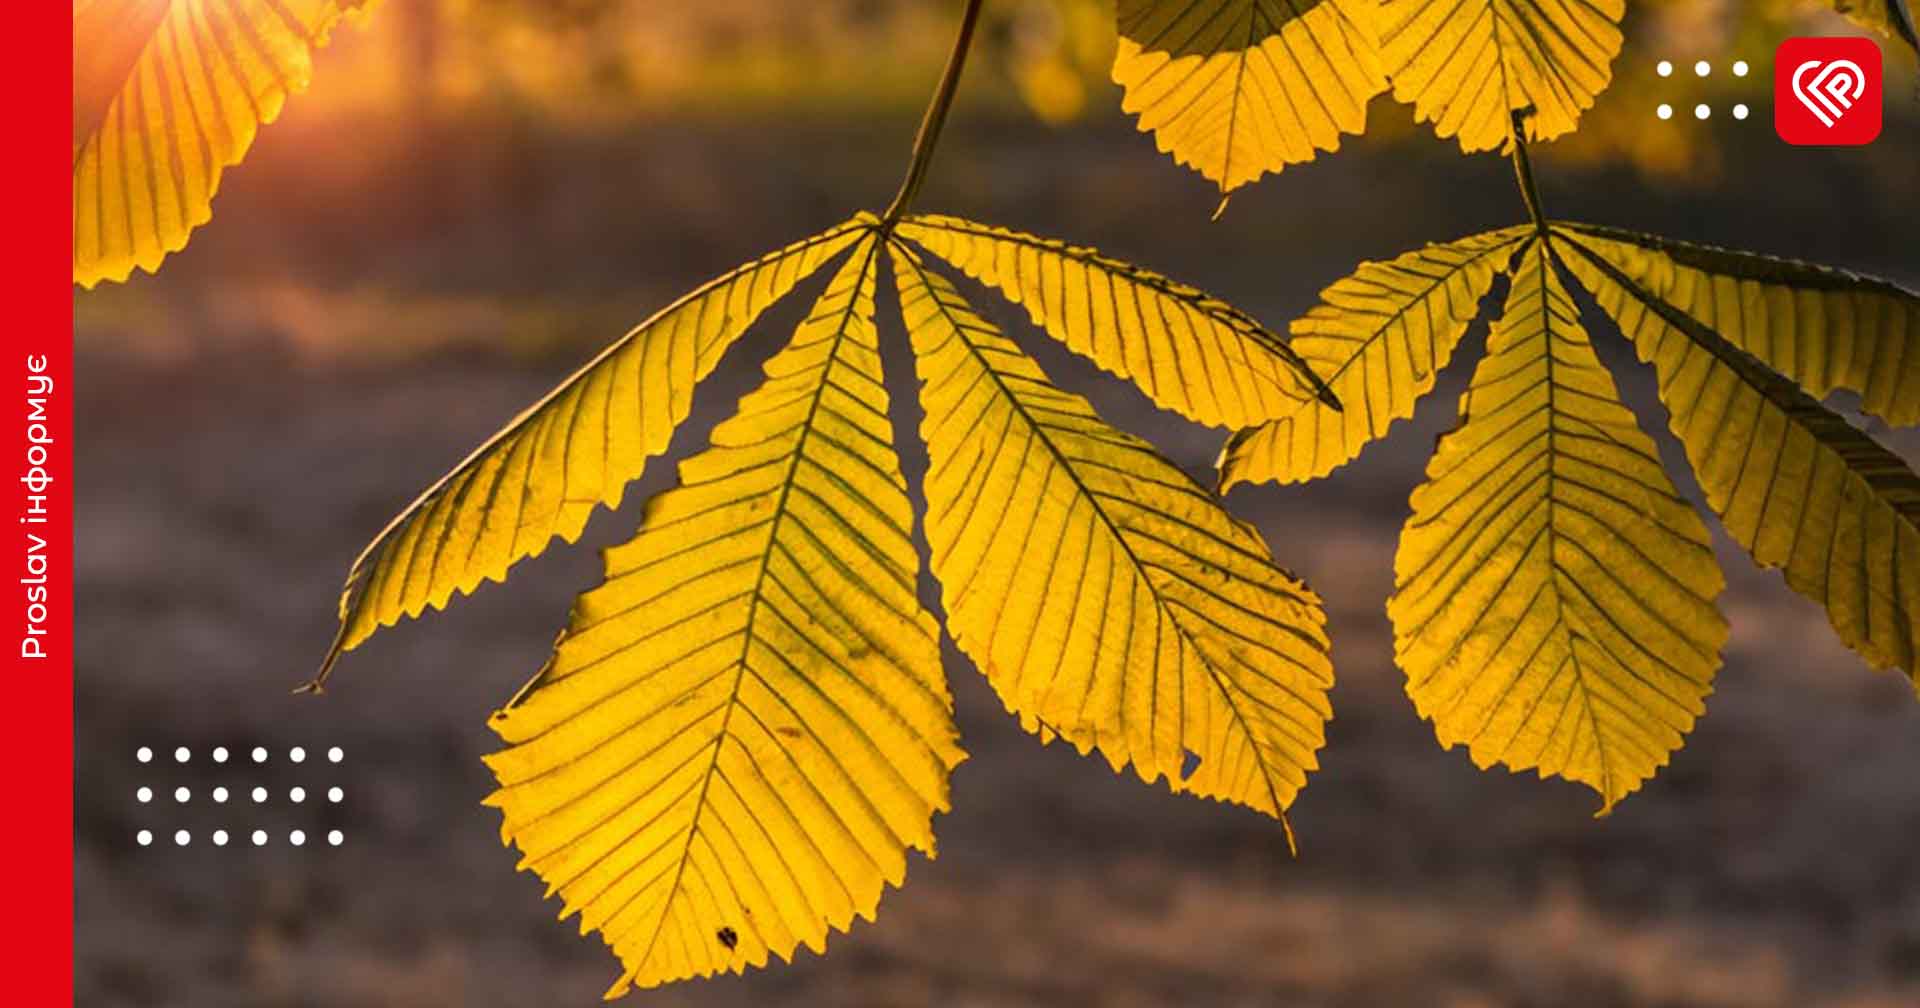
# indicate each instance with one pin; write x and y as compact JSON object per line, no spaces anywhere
{"x":1142,"y":571}
{"x":756,"y":595}
{"x":1544,"y":248}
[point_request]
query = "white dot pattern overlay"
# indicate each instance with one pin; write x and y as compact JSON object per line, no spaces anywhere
{"x":261,"y":795}
{"x":1702,"y":69}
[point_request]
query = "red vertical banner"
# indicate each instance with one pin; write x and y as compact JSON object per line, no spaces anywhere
{"x":37,"y":373}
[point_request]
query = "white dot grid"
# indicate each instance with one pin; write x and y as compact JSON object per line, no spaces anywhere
{"x":1702,"y":68}
{"x":220,"y":754}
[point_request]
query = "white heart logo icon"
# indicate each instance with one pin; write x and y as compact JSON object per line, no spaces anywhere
{"x":1832,"y":89}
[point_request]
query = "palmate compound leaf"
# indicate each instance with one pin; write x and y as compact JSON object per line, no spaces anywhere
{"x":1378,"y":337}
{"x":544,"y":473}
{"x":1238,"y":88}
{"x":1554,"y":594}
{"x":1468,"y":65}
{"x":1108,"y":598}
{"x":744,"y":729}
{"x":166,"y":95}
{"x":1794,"y":483}
{"x":1188,"y":351}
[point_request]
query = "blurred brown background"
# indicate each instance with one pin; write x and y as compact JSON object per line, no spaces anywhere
{"x":478,"y":193}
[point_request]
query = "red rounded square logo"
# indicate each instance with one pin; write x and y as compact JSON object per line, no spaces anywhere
{"x":1826,"y":91}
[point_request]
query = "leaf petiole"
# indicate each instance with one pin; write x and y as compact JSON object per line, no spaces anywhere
{"x":936,"y":117}
{"x":1523,"y":170}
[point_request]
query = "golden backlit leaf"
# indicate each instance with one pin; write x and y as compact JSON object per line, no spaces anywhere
{"x":167,"y":95}
{"x":1378,"y":337}
{"x":1468,"y":65}
{"x":1822,"y":327}
{"x":1188,"y":351}
{"x":1106,"y":596}
{"x":1554,"y":602}
{"x":746,"y":727}
{"x":1238,"y":88}
{"x":576,"y":449}
{"x":1794,"y":483}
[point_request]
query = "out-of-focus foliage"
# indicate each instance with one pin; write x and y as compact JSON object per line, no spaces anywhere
{"x":1891,"y":18}
{"x":1057,"y":53}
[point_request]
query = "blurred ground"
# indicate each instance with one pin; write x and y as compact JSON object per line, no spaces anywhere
{"x":252,"y":415}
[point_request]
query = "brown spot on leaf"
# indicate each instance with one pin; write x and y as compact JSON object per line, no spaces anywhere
{"x":728,"y":937}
